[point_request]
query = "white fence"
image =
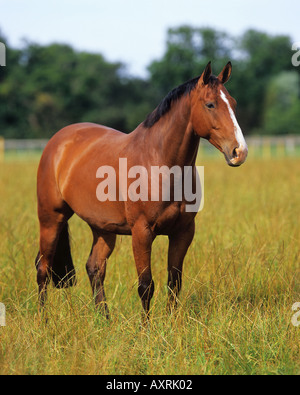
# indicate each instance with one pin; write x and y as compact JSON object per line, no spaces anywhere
{"x":265,"y":146}
{"x":24,"y":144}
{"x":259,"y":146}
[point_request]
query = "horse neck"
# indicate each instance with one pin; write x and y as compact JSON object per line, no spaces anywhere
{"x":172,"y":137}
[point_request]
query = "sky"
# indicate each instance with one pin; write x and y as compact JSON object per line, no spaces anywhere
{"x":134,"y":31}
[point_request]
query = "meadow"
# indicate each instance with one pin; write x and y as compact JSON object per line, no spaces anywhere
{"x":241,"y":277}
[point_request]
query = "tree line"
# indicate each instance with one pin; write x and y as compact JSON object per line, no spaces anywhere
{"x":44,"y":88}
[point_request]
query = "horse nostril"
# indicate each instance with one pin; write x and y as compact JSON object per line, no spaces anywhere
{"x":234,"y":153}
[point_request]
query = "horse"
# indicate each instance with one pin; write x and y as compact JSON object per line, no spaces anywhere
{"x":169,"y":136}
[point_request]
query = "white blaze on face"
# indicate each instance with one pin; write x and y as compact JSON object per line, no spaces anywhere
{"x":237,"y":130}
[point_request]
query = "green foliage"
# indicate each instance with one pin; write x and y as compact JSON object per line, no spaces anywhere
{"x":282,"y":106}
{"x":188,"y":51}
{"x":263,"y":57}
{"x":44,"y":88}
{"x":257,"y":57}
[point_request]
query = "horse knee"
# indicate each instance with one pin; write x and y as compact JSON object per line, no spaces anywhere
{"x":43,"y":280}
{"x":96,"y":273}
{"x":175,"y":282}
{"x":146,"y":289}
{"x":90,"y":269}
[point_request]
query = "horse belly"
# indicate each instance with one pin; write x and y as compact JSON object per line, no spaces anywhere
{"x":108,"y":216}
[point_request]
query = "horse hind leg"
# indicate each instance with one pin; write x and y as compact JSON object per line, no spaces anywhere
{"x":54,"y":256}
{"x":178,"y":247}
{"x":103,"y":246}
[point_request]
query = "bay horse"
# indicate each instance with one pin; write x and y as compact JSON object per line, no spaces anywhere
{"x":169,"y":136}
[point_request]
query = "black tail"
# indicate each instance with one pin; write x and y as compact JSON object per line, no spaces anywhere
{"x":63,"y":271}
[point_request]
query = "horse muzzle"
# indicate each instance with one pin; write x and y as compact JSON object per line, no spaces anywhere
{"x":237,"y":157}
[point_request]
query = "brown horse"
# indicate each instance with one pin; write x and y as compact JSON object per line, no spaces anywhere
{"x":67,"y":184}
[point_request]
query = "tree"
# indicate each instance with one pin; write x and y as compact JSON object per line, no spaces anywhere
{"x":188,"y":51}
{"x":256,"y":56}
{"x":261,"y":57}
{"x":44,"y":88}
{"x":282,"y":105}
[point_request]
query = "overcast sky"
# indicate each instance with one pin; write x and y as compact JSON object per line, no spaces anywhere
{"x":134,"y":31}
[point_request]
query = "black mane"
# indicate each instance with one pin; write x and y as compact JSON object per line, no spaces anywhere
{"x":172,"y":96}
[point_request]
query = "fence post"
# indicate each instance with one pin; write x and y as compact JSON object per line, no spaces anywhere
{"x":290,"y":145}
{"x":280,"y":149}
{"x":1,"y":149}
{"x":267,"y":153}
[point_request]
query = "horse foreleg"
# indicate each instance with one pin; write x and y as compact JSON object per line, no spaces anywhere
{"x":103,"y":246}
{"x":142,"y":239}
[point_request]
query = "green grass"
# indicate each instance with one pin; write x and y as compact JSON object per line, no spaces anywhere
{"x":241,"y":278}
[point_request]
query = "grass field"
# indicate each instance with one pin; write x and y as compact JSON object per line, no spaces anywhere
{"x":241,"y":278}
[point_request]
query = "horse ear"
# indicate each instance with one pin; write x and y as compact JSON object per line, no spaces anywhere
{"x":225,"y":73}
{"x":203,"y":80}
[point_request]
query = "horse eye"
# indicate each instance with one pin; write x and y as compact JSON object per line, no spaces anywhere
{"x":210,"y":105}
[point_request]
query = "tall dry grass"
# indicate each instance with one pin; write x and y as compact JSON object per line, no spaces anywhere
{"x":241,"y":278}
